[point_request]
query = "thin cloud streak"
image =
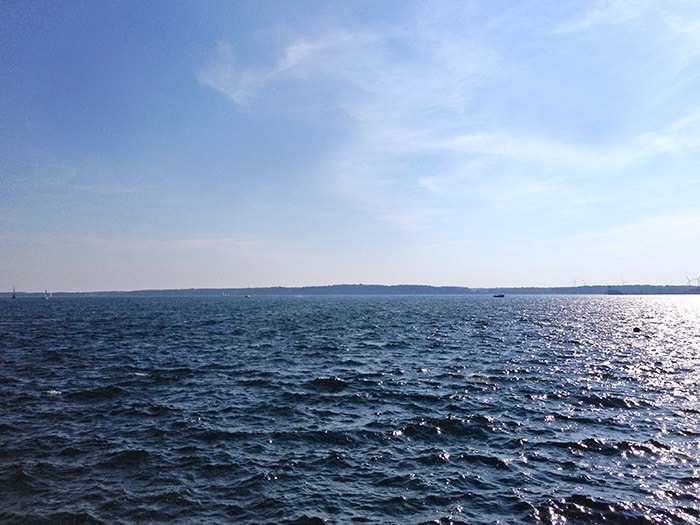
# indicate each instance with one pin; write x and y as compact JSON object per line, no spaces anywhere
{"x":606,"y":12}
{"x":244,"y":85}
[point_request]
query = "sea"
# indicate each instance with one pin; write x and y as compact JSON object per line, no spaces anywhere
{"x":316,"y":410}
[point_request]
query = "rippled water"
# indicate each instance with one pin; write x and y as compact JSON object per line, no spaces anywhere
{"x":311,"y":410}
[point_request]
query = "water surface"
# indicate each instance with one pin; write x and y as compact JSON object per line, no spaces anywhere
{"x":468,"y":409}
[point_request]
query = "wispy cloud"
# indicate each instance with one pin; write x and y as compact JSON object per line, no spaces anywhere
{"x":606,"y":12}
{"x":243,"y":84}
{"x":423,"y":138}
{"x":237,"y":84}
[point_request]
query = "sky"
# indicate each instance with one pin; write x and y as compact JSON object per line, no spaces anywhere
{"x":207,"y":144}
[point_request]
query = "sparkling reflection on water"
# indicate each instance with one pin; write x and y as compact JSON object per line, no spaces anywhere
{"x":528,"y":409}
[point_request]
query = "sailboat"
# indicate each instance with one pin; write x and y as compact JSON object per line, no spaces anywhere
{"x":14,"y":295}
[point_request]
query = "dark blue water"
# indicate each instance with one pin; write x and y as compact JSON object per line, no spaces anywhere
{"x":350,"y":410}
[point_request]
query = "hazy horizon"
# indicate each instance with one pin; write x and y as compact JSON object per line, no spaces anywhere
{"x":217,"y":290}
{"x":161,"y":145}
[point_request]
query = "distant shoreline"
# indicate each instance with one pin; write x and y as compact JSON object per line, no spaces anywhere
{"x":378,"y":289}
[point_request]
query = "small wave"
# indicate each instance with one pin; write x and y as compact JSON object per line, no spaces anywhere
{"x":171,"y":498}
{"x":445,"y":521}
{"x":585,"y":509}
{"x":605,"y":447}
{"x":64,"y":517}
{"x":325,"y":437}
{"x":328,"y":384}
{"x":587,"y":445}
{"x":449,"y":426}
{"x":17,"y":479}
{"x":98,"y":393}
{"x":305,"y":520}
{"x":127,"y":458}
{"x":401,"y":482}
{"x":333,"y":437}
{"x":214,"y":436}
{"x":172,"y":374}
{"x":56,"y":356}
{"x":256,"y":382}
{"x":433,"y":458}
{"x":7,"y":429}
{"x":487,"y":460}
{"x":70,"y":451}
{"x":608,"y":401}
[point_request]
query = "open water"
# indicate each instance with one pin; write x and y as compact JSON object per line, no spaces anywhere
{"x":335,"y":410}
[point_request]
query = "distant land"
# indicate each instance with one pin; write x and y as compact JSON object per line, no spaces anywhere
{"x":379,"y":289}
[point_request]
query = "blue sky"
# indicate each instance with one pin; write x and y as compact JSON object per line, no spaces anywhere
{"x":229,"y":144}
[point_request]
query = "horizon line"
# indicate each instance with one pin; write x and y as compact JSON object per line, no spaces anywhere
{"x":472,"y":289}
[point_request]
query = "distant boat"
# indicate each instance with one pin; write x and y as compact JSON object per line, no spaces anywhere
{"x":499,"y":295}
{"x":46,"y":294}
{"x":14,"y":295}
